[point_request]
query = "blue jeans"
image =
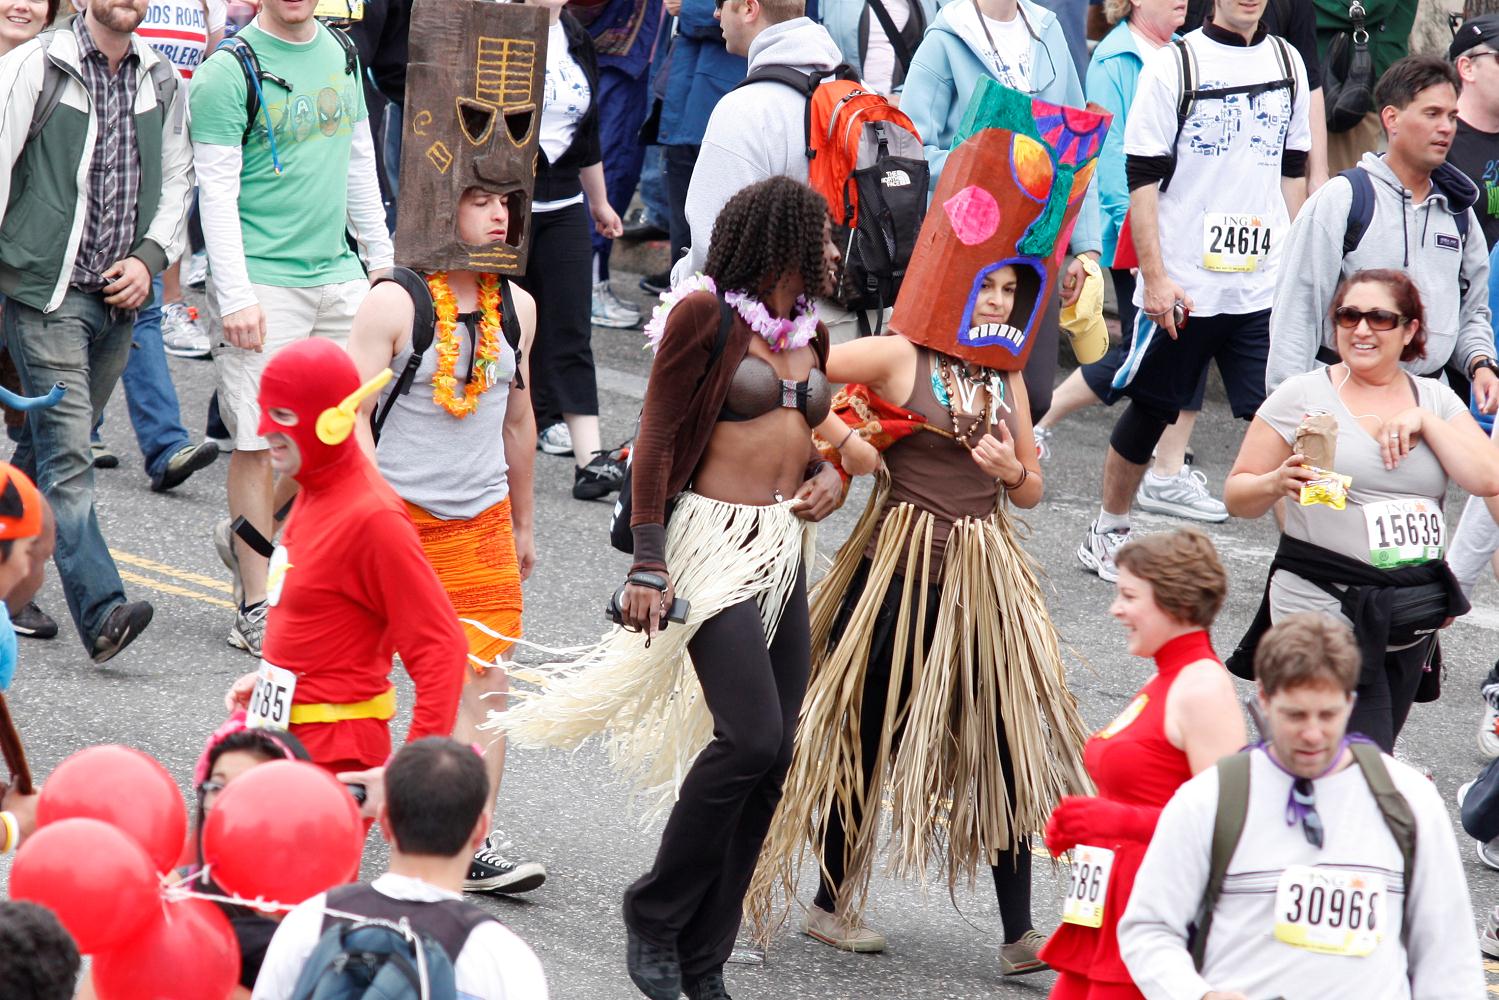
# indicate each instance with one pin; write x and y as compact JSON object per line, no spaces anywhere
{"x":150,"y":396}
{"x":84,"y":344}
{"x":622,"y":101}
{"x":653,"y":187}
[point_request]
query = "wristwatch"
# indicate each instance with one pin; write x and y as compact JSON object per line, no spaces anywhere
{"x":645,"y":578}
{"x":1482,"y":361}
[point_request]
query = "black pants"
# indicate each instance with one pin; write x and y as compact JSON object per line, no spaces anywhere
{"x":1385,"y":698}
{"x":1012,"y":876}
{"x":693,"y":896}
{"x":679,"y":162}
{"x":1041,"y":367}
{"x":559,"y":275}
{"x":1100,"y":374}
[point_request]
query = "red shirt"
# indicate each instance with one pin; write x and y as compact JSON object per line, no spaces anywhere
{"x":356,"y":588}
{"x":1131,"y":761}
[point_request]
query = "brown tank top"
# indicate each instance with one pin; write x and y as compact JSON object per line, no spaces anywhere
{"x":935,"y":473}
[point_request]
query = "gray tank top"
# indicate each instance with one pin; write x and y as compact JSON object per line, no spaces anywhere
{"x":451,"y":468}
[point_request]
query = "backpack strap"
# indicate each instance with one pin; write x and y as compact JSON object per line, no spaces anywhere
{"x":805,"y":84}
{"x":510,"y":327}
{"x":449,"y":922}
{"x":423,"y":316}
{"x":249,"y":64}
{"x":1228,"y":827}
{"x":54,"y":79}
{"x":1360,"y":207}
{"x":1185,"y":94}
{"x":1287,"y":69}
{"x":1398,"y":816}
{"x":351,"y":53}
{"x":897,"y":41}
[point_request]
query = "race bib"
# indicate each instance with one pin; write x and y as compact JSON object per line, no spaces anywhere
{"x":1089,"y":888}
{"x":1404,"y":532}
{"x":1329,"y":911}
{"x":1234,"y":242}
{"x":270,"y":702}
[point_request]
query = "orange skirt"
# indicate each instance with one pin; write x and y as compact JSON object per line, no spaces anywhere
{"x":475,"y":560}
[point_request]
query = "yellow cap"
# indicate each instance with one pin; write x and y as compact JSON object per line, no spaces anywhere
{"x":1083,"y":320}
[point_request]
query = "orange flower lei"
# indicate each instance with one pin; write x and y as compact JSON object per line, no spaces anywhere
{"x":487,"y":351}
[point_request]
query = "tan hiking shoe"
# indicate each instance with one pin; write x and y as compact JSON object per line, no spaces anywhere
{"x":838,"y":932}
{"x":1023,"y":957}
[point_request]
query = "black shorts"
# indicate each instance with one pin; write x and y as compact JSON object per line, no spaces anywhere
{"x":1166,"y":375}
{"x":1099,"y":375}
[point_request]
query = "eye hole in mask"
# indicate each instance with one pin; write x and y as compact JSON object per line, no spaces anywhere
{"x":476,"y":120}
{"x":519,"y":122}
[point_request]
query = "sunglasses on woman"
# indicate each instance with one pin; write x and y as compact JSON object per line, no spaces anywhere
{"x":1348,"y":318}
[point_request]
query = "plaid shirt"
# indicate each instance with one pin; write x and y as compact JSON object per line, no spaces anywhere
{"x":115,"y":171}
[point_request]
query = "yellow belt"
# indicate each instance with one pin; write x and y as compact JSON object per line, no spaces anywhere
{"x":381,"y":706}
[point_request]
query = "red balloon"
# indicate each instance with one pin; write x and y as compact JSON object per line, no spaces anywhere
{"x":190,"y":955}
{"x":123,"y":787}
{"x":282,"y":832}
{"x":96,"y":879}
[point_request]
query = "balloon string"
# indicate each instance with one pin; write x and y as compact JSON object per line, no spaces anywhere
{"x":175,"y":893}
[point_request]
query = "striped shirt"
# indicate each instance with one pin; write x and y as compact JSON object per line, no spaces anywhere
{"x":115,"y":170}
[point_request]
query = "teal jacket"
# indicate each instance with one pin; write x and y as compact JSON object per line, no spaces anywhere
{"x":945,"y":71}
{"x":1113,"y":75}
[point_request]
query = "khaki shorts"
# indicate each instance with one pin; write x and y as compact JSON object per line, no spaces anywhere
{"x":291,"y":314}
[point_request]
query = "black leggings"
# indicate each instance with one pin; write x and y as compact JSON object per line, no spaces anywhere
{"x":1385,"y":696}
{"x":559,"y":274}
{"x":693,"y":896}
{"x":1012,"y":876}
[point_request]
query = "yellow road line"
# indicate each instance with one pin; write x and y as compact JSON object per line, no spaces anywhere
{"x":197,"y":579}
{"x":170,"y":588}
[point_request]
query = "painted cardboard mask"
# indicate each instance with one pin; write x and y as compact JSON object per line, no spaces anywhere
{"x":1008,"y":197}
{"x":473,"y":113}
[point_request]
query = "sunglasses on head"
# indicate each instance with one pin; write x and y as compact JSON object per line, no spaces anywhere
{"x":1348,"y":318}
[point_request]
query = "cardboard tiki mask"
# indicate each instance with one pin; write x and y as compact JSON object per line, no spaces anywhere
{"x":1009,"y":196}
{"x":473,"y":113}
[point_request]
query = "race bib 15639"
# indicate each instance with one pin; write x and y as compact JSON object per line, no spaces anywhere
{"x":1404,"y":532}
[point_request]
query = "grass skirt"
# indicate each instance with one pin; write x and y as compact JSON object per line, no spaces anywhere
{"x":645,"y":703}
{"x":995,"y":653}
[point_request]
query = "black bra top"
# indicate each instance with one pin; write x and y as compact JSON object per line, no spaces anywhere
{"x":757,"y":389}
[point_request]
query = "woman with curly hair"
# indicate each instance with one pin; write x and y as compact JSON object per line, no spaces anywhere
{"x":726,"y":486}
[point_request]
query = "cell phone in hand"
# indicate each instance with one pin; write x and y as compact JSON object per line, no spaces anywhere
{"x":676,"y":613}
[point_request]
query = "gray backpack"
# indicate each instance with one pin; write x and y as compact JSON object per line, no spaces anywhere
{"x":54,"y":78}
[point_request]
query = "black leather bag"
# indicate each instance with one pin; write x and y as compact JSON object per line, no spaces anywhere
{"x":1348,"y":74}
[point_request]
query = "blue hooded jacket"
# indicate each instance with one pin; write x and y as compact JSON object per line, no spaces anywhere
{"x":699,"y":71}
{"x":946,"y":69}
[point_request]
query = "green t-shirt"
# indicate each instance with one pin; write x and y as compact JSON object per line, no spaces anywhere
{"x":294,"y":223}
{"x":1388,"y":22}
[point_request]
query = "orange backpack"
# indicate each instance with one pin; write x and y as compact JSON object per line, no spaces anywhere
{"x":865,"y":158}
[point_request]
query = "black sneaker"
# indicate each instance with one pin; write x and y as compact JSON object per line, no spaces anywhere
{"x":124,"y":623}
{"x":34,"y":623}
{"x":491,"y":871}
{"x":654,"y":970}
{"x":639,"y":228}
{"x":601,"y":476}
{"x":709,"y":987}
{"x":183,"y":463}
{"x":103,"y":457}
{"x":655,"y":284}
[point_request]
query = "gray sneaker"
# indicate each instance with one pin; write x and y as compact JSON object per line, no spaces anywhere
{"x":1096,"y":553}
{"x":556,"y":440}
{"x":195,"y":271}
{"x":1021,"y":958}
{"x":1184,"y":495}
{"x":610,"y":311}
{"x":181,"y":336}
{"x":249,"y":628}
{"x":1489,"y":942}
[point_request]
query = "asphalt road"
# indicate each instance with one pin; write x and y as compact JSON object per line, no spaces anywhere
{"x":165,"y":695}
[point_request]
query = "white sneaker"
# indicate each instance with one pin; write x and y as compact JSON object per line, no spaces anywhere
{"x":1183,"y":495}
{"x":1096,"y":553}
{"x":556,"y":440}
{"x":610,"y":312}
{"x":1043,"y":442}
{"x":196,"y":271}
{"x":181,"y":336}
{"x":840,"y":932}
{"x":1488,"y":731}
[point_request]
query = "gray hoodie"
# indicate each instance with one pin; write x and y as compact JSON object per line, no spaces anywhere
{"x":1420,"y":239}
{"x":755,"y":132}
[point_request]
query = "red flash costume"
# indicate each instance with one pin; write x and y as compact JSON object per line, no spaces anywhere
{"x":349,"y":584}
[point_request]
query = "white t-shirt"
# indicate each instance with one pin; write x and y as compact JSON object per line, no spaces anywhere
{"x":1010,"y":58}
{"x":564,"y":104}
{"x":179,"y":31}
{"x":879,"y":54}
{"x":1227,"y":178}
{"x":1243,"y":952}
{"x":493,"y":965}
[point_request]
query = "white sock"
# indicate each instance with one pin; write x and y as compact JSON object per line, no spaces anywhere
{"x":1112,"y":522}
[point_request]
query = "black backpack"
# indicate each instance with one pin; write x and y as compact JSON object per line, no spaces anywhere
{"x":249,"y":64}
{"x":423,"y":320}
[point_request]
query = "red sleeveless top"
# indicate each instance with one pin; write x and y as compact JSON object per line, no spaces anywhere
{"x":1131,"y":761}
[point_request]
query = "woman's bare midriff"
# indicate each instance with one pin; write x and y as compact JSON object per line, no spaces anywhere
{"x":750,"y":461}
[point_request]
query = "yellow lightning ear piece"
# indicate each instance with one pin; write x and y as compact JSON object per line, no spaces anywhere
{"x":335,"y":424}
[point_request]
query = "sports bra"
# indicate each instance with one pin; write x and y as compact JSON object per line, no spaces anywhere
{"x":756,"y":390}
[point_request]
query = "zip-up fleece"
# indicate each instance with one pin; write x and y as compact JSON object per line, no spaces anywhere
{"x":44,"y":183}
{"x":1422,"y":240}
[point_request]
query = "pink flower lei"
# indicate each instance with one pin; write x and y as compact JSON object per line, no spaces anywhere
{"x":779,"y":334}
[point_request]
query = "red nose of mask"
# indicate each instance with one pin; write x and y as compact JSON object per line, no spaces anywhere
{"x":307,"y":378}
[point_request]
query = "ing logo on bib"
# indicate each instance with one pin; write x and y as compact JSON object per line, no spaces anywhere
{"x":1126,"y":717}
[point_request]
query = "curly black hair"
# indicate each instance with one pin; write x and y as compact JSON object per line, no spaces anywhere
{"x":38,"y":959}
{"x":771,"y":228}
